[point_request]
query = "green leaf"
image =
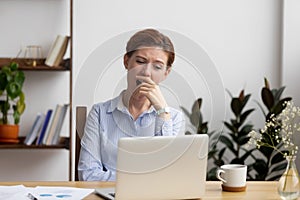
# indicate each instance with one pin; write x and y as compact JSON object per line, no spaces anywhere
{"x":230,"y":127}
{"x":245,"y":115}
{"x":245,"y":100}
{"x":195,"y":118}
{"x":16,"y":116}
{"x":20,"y":107}
{"x":236,"y":106}
{"x":14,"y":66}
{"x":219,"y":162}
{"x":221,"y":153}
{"x":13,"y":90}
{"x":237,"y":161}
{"x":197,"y":105}
{"x":236,"y":124}
{"x":245,"y":130}
{"x":211,"y":175}
{"x":228,"y":143}
{"x":3,"y":81}
{"x":266,"y":151}
{"x":278,"y":94}
{"x":241,"y":140}
{"x":212,"y":152}
{"x":280,"y":106}
{"x":19,"y":77}
{"x":260,"y":166}
{"x":267,"y":97}
{"x":247,"y":154}
{"x":22,"y":97}
{"x":279,"y":167}
{"x":188,"y":133}
{"x":202,"y":128}
{"x":6,"y":70}
{"x":278,"y":157}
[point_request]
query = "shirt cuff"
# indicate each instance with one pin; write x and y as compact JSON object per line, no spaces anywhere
{"x":163,"y":127}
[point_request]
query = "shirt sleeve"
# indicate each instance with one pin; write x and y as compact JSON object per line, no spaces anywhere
{"x":90,"y":167}
{"x":172,"y":126}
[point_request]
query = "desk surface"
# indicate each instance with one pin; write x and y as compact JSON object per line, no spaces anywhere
{"x":259,"y":190}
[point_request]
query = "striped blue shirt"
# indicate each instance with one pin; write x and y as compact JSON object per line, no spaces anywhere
{"x":109,"y":121}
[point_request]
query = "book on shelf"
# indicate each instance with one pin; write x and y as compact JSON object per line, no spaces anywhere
{"x":58,"y":127}
{"x":57,"y":51}
{"x":55,"y":124}
{"x":35,"y":129}
{"x":44,"y":127}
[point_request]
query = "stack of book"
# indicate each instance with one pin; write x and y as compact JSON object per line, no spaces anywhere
{"x":46,"y":128}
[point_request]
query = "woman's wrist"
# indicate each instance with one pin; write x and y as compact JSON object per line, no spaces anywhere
{"x":164,"y":113}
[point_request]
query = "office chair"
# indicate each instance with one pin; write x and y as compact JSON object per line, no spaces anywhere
{"x":80,"y":123}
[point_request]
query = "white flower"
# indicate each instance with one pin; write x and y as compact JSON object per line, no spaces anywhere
{"x":280,"y":129}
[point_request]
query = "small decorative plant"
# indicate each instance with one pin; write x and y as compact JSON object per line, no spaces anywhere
{"x":284,"y":127}
{"x":271,"y":164}
{"x":12,"y":96}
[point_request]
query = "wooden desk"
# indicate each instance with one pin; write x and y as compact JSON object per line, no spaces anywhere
{"x":255,"y":190}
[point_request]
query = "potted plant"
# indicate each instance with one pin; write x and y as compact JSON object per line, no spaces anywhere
{"x":12,"y":101}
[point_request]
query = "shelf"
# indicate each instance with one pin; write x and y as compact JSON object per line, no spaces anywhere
{"x":42,"y":67}
{"x":63,"y":144}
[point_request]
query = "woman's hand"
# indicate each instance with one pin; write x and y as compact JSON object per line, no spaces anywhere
{"x":151,"y":90}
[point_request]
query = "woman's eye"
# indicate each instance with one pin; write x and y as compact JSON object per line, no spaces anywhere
{"x":140,"y":62}
{"x":158,"y":67}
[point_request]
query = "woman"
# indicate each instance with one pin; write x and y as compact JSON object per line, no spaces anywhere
{"x":140,"y":110}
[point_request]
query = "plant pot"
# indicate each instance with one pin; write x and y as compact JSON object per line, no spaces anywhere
{"x":9,"y":133}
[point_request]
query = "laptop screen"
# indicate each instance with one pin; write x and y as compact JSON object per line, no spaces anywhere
{"x":162,"y":167}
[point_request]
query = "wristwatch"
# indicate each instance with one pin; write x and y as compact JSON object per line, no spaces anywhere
{"x":163,"y":110}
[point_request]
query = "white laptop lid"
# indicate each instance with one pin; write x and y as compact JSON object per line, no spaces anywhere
{"x":162,"y":167}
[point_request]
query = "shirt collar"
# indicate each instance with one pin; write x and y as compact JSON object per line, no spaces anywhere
{"x":117,"y":103}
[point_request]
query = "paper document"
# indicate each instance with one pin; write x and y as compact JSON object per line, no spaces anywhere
{"x":21,"y":192}
{"x":13,"y":192}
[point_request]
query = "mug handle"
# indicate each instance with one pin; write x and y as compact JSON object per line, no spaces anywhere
{"x":218,"y":174}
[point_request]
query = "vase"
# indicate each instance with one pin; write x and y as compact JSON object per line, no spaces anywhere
{"x":288,"y":184}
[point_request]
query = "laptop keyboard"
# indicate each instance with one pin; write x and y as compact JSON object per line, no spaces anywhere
{"x":112,"y":194}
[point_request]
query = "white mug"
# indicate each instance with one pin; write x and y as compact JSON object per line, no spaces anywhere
{"x":232,"y":175}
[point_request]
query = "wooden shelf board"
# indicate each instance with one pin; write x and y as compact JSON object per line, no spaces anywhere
{"x":23,"y":66}
{"x":63,"y":144}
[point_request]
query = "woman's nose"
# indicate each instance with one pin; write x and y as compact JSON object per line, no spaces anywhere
{"x":147,"y":69}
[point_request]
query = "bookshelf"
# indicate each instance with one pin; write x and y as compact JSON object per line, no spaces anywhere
{"x":65,"y":142}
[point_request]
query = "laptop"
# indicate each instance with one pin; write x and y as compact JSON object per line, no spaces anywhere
{"x":160,"y":167}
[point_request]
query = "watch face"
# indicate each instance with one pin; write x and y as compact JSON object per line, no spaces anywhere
{"x":167,"y":109}
{"x":164,"y":110}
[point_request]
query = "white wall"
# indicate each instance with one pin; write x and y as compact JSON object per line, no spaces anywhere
{"x":291,"y":54}
{"x":243,"y":46}
{"x":241,"y":38}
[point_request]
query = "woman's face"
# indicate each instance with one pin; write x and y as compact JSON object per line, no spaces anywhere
{"x":149,"y":62}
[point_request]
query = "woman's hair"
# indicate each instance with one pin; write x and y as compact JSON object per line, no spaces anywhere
{"x":151,"y":38}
